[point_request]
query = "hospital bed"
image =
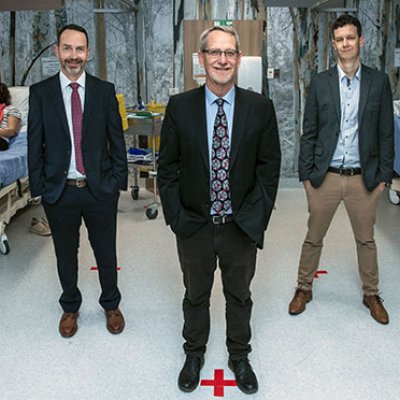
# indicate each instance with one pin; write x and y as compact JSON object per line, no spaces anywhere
{"x":394,"y":190}
{"x":14,"y":185}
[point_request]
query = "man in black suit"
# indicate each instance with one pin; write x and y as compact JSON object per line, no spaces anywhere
{"x":346,"y":154}
{"x":218,"y":174}
{"x":77,"y":164}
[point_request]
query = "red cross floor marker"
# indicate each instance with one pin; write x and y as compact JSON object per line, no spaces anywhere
{"x":95,"y":268}
{"x":320,"y":272}
{"x":218,"y":382}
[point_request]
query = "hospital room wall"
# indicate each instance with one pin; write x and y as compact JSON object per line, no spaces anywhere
{"x":144,"y":50}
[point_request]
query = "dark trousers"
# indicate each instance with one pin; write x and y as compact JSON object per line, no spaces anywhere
{"x":198,"y":255}
{"x":65,"y":218}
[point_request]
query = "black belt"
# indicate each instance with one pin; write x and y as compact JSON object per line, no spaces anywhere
{"x":347,"y":171}
{"x":221,"y":219}
{"x":79,"y":183}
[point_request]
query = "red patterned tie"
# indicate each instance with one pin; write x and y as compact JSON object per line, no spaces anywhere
{"x":76,"y":108}
{"x":220,"y":195}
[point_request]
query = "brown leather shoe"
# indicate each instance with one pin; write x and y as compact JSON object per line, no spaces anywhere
{"x":68,"y":324}
{"x":375,"y":305}
{"x":298,"y":303}
{"x":115,"y":321}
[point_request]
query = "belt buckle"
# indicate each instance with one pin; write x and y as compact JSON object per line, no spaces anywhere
{"x":80,"y":183}
{"x":219,"y":219}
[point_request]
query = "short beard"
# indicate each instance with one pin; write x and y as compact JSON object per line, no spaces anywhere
{"x":220,"y":81}
{"x":76,"y":71}
{"x":73,"y":71}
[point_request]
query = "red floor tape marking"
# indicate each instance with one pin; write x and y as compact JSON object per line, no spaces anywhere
{"x":219,"y":382}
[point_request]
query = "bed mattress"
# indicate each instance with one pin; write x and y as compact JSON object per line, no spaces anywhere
{"x":14,"y":161}
{"x":397,"y":144}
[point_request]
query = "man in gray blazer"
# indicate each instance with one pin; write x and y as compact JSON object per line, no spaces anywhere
{"x":346,"y":154}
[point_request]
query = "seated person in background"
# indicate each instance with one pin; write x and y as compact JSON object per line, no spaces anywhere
{"x":10,"y":122}
{"x":10,"y":118}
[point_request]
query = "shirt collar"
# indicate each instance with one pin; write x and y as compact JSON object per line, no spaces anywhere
{"x":64,"y":81}
{"x":342,"y":75}
{"x":211,"y":97}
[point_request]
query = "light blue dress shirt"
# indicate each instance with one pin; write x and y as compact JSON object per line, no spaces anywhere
{"x":211,"y":111}
{"x":347,"y":153}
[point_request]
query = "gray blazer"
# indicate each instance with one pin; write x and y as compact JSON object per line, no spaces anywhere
{"x":321,"y":127}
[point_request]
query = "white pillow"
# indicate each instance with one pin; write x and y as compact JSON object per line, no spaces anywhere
{"x":20,"y":100}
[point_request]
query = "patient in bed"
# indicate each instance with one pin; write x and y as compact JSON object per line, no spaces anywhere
{"x":10,"y":118}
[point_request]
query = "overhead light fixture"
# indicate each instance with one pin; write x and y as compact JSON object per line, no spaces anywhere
{"x":24,"y":5}
{"x":114,"y":10}
{"x":338,"y":6}
{"x":131,"y":8}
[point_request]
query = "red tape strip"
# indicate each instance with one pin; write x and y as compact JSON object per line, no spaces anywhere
{"x":218,"y":382}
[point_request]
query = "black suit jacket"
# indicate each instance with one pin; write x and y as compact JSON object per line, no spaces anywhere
{"x":321,"y":127}
{"x":49,"y":142}
{"x":184,"y":171}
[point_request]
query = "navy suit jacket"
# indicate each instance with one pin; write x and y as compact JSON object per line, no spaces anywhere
{"x":49,"y":142}
{"x":184,"y":170}
{"x":321,"y":127}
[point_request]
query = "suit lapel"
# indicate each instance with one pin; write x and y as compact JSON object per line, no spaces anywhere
{"x":335,"y":91}
{"x":199,"y":122}
{"x":239,"y":123}
{"x":364,"y":90}
{"x":90,"y":103}
{"x":57,"y":100}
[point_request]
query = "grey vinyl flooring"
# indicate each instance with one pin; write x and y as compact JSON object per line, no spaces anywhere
{"x":334,"y":350}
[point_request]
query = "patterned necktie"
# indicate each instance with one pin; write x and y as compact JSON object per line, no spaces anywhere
{"x":220,"y":196}
{"x":77,"y":116}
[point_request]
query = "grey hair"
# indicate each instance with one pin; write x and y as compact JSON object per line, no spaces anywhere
{"x":226,"y":29}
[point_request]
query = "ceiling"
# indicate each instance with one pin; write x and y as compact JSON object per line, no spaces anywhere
{"x":15,"y":5}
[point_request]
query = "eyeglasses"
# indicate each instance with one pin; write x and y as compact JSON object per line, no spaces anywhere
{"x":214,"y":53}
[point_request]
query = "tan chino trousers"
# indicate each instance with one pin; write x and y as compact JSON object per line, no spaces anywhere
{"x":361,"y":207}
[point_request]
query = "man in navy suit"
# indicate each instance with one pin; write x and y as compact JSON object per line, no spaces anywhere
{"x":346,"y":154}
{"x":218,"y":174}
{"x":77,"y":164}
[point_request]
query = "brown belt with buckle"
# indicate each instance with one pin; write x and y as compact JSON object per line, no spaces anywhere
{"x":79,"y":183}
{"x":347,"y":171}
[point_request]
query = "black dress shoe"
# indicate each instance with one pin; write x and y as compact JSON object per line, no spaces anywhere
{"x":189,"y":376}
{"x":245,"y":377}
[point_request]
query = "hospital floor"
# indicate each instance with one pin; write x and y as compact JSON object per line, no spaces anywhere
{"x":333,"y":351}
